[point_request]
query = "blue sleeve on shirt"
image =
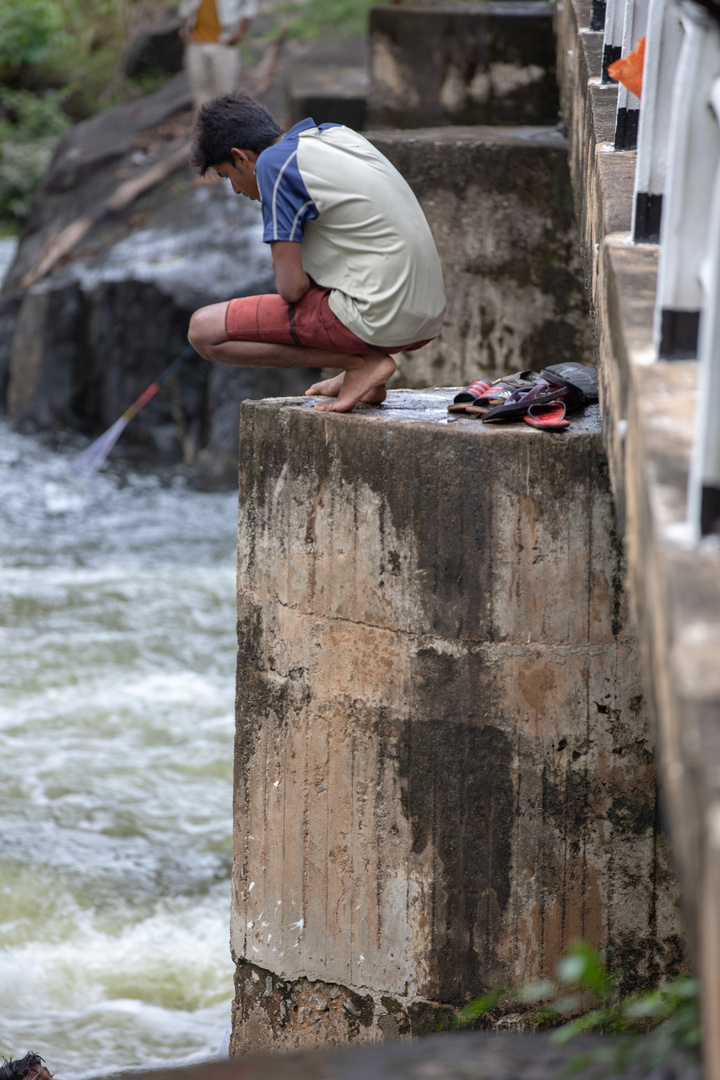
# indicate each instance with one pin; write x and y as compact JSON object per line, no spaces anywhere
{"x":286,"y":202}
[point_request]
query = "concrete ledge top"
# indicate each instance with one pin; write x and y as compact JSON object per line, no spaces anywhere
{"x":430,"y":407}
{"x":472,"y":135}
{"x":435,"y":1057}
{"x":494,"y":9}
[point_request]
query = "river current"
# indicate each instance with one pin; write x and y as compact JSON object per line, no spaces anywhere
{"x":116,"y":715}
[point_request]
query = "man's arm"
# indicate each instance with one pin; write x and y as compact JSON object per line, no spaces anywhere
{"x":240,"y":32}
{"x":292,"y":281}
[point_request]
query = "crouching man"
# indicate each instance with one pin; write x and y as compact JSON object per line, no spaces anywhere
{"x":357,"y":272}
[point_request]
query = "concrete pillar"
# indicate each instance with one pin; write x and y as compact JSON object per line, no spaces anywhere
{"x":499,"y":204}
{"x":462,"y":64}
{"x":443,"y":768}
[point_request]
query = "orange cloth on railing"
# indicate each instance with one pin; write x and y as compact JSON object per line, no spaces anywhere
{"x":630,"y":70}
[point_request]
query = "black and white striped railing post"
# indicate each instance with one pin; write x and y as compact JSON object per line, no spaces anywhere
{"x":704,"y":485}
{"x":662,"y":50}
{"x":597,"y":14}
{"x":628,"y":105}
{"x":693,"y":152}
{"x":624,"y":24}
{"x":676,"y":200}
{"x":613,"y":37}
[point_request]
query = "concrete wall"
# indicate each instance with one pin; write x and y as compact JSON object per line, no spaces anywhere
{"x":443,"y":768}
{"x":649,"y":425}
{"x":491,"y":63}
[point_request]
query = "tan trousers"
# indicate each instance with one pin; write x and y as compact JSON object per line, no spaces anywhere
{"x":212,"y":69}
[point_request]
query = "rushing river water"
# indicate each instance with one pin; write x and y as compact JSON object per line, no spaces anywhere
{"x":117,"y":658}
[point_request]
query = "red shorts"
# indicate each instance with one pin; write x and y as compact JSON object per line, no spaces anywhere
{"x":309,"y":322}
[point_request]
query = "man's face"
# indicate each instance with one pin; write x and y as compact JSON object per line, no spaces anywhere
{"x":241,"y":173}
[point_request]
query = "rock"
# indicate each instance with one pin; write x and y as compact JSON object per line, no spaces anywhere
{"x":9,"y":307}
{"x":157,"y":49}
{"x":93,"y":335}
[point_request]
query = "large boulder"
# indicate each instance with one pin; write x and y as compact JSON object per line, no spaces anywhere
{"x":155,"y":49}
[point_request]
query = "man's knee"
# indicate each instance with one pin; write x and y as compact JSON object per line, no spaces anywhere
{"x":195,"y":336}
{"x":206,"y":328}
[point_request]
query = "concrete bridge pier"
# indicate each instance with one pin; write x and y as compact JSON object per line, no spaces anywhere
{"x":444,"y":773}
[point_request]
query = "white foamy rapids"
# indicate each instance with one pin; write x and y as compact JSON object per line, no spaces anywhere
{"x":95,"y":993}
{"x":117,"y":645}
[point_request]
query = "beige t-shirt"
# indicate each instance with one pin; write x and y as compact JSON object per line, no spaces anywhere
{"x":363,"y":232}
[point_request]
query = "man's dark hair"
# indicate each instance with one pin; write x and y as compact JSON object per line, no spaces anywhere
{"x":231,"y":120}
{"x":16,"y":1070}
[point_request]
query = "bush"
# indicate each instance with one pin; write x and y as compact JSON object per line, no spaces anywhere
{"x":28,"y":30}
{"x":30,"y":126}
{"x":647,"y":1028}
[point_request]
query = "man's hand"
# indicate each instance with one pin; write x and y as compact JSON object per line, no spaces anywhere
{"x":240,"y":32}
{"x":292,"y":281}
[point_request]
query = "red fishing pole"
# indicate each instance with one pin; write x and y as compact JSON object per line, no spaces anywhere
{"x":94,"y":456}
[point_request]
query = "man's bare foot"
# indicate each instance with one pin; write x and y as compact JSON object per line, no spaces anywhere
{"x":326,"y":388}
{"x":363,"y":383}
{"x":332,"y":387}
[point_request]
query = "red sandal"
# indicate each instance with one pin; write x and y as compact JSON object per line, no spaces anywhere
{"x":549,"y":416}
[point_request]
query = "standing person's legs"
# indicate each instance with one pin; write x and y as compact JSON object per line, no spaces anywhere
{"x":199,"y":72}
{"x":224,"y":63}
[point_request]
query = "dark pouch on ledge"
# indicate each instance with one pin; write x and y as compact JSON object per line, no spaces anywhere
{"x":580,"y":380}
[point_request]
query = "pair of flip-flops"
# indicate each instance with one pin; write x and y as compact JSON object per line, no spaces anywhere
{"x":481,"y":396}
{"x":542,"y":400}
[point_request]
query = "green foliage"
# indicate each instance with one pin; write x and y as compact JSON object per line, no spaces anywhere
{"x":479,"y":1007}
{"x":28,"y":30}
{"x":30,"y":126}
{"x":648,"y":1027}
{"x":60,"y":61}
{"x":326,"y":18}
{"x":25,"y":116}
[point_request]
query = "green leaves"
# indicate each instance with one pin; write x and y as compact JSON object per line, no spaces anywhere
{"x":583,"y":967}
{"x":30,"y":126}
{"x":647,"y":1028}
{"x":27,"y":31}
{"x":479,"y":1007}
{"x":318,"y":18}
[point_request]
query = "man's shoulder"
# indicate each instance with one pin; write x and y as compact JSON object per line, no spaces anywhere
{"x":273,"y":158}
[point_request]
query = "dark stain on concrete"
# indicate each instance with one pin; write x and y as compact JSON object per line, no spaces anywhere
{"x":458,"y":795}
{"x":565,"y":800}
{"x":632,"y":812}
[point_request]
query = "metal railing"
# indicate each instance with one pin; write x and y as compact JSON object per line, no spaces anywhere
{"x":676,"y":202}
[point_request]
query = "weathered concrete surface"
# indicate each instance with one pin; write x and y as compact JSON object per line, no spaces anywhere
{"x":602,"y":179}
{"x":676,"y":592}
{"x":499,"y":203}
{"x":331,"y":95}
{"x":443,"y":769}
{"x":462,"y":64}
{"x":648,"y":412}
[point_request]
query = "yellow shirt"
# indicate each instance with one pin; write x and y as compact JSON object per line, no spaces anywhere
{"x":207,"y":24}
